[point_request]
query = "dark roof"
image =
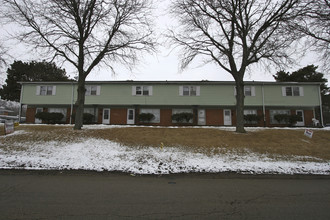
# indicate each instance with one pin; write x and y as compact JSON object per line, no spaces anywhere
{"x":202,"y":82}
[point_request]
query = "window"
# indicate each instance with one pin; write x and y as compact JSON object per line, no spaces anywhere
{"x":142,"y":90}
{"x":288,"y":91}
{"x":186,"y":90}
{"x":250,"y":112}
{"x":250,"y":116}
{"x":296,"y":91}
{"x":292,"y":91}
{"x":145,"y":90}
{"x":138,"y":90}
{"x":272,"y":113}
{"x":92,"y":111}
{"x":178,"y":111}
{"x":155,"y":112}
{"x":46,"y":90}
{"x":92,"y":90}
{"x":189,"y":90}
{"x":248,"y":91}
{"x":43,"y":90}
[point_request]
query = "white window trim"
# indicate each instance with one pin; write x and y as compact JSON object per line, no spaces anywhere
{"x":38,"y":90}
{"x":150,"y":89}
{"x":197,"y":88}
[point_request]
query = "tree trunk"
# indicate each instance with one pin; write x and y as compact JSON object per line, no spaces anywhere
{"x":240,"y":106}
{"x":80,"y":104}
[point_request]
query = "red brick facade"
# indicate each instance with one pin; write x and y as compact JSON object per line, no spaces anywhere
{"x":30,"y":115}
{"x":118,"y":116}
{"x":308,"y":116}
{"x":213,"y":117}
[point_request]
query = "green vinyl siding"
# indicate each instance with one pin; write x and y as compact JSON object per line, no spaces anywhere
{"x":274,"y":97}
{"x":211,"y":94}
{"x":163,"y":95}
{"x":254,"y":100}
{"x":63,"y":94}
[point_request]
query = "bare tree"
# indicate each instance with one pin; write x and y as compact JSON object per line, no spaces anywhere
{"x":3,"y":55}
{"x":315,"y":24}
{"x":85,"y":33}
{"x":234,"y":34}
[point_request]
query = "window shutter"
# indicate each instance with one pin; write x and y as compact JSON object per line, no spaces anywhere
{"x":150,"y":90}
{"x":235,"y":92}
{"x":301,"y":91}
{"x":283,"y":91}
{"x":253,"y":91}
{"x":98,"y":90}
{"x":133,"y":90}
{"x":181,"y":90}
{"x":198,"y":90}
{"x":54,"y":90}
{"x":38,"y":90}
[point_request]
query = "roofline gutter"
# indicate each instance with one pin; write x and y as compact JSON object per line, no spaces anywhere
{"x":20,"y":104}
{"x":205,"y":82}
{"x":321,"y":110}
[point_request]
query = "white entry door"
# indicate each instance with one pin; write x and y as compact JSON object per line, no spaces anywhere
{"x":302,"y":121}
{"x":201,"y":117}
{"x":106,"y":116}
{"x":37,"y":120}
{"x":227,"y":117}
{"x":130,"y":116}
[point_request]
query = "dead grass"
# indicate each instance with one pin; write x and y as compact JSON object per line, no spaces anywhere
{"x":274,"y":142}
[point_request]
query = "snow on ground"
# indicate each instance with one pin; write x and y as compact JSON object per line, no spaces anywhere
{"x":104,"y":155}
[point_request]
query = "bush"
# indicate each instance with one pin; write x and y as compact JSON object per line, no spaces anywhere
{"x":146,"y":117}
{"x":87,"y":118}
{"x":282,"y":118}
{"x":287,"y":119}
{"x":294,"y":118}
{"x":50,"y":117}
{"x":182,"y":117}
{"x":252,"y":119}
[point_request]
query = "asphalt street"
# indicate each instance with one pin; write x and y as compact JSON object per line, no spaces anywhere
{"x":92,"y":195}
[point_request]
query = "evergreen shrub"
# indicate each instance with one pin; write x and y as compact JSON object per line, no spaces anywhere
{"x":146,"y":117}
{"x":50,"y":117}
{"x":182,"y":117}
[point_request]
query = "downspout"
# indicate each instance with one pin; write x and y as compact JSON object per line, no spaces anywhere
{"x":263,"y":104}
{"x":20,"y":104}
{"x":321,"y":110}
{"x":72,"y":98}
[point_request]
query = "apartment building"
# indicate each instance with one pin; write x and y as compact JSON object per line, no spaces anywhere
{"x":211,"y":103}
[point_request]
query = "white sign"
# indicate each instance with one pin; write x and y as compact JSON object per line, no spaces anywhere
{"x":308,"y":133}
{"x":9,"y":126}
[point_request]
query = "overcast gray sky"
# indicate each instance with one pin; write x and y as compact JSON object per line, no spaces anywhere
{"x":161,"y":66}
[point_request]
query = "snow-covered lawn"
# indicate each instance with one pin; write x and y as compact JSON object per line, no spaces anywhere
{"x":105,"y":155}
